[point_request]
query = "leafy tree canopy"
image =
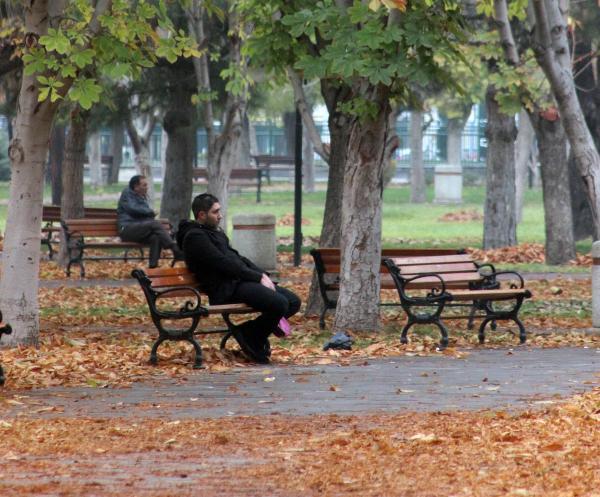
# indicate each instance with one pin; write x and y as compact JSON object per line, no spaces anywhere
{"x":70,"y":60}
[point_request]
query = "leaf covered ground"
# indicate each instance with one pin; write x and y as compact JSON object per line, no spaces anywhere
{"x":101,"y":337}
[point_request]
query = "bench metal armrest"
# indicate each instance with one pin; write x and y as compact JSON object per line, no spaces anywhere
{"x":435,"y":294}
{"x":189,"y":308}
{"x":518,"y":277}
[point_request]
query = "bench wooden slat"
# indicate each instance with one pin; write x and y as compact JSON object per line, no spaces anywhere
{"x":188,"y":279}
{"x":508,"y":293}
{"x":459,"y":267}
{"x":429,"y":260}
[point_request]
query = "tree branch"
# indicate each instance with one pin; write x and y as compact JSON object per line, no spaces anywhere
{"x":504,"y":30}
{"x":307,"y":119}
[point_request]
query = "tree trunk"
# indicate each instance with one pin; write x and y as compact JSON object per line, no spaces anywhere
{"x":417,"y":170}
{"x":588,"y":94}
{"x":227,"y":155}
{"x":95,"y":160}
{"x":339,"y":131}
{"x":57,"y":153}
{"x":72,"y":200}
{"x":118,"y":131}
{"x":552,"y":144}
{"x":179,"y":124}
{"x":454,"y":146}
{"x":71,"y":205}
{"x":524,"y":147}
{"x":500,"y":225}
{"x":552,"y":53}
{"x":27,"y":151}
{"x":308,"y":165}
{"x":358,"y":302}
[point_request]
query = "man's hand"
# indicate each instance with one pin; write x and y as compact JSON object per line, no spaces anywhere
{"x":266,"y":281}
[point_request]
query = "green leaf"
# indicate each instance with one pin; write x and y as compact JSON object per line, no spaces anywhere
{"x":85,"y":92}
{"x":56,"y":41}
{"x":83,"y":58}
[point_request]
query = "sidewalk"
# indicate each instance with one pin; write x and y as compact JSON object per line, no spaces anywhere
{"x":512,"y":379}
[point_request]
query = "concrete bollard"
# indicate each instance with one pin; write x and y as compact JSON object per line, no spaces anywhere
{"x":596,"y":284}
{"x":254,"y":237}
{"x":448,"y":183}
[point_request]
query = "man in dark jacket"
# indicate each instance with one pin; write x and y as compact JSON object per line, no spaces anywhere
{"x":228,"y":277}
{"x":136,"y":223}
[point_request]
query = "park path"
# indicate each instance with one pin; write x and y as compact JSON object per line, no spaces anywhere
{"x":519,"y":378}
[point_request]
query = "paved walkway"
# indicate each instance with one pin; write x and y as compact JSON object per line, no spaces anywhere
{"x":517,"y":378}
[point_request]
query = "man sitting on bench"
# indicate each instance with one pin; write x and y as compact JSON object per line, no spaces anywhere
{"x":227,"y":277}
{"x":136,"y":223}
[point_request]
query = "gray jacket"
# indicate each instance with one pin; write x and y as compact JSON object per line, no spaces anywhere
{"x":132,"y":208}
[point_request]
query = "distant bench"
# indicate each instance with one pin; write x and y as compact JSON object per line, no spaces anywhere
{"x":51,"y":216}
{"x":179,"y":287}
{"x":327,"y":264}
{"x":5,"y":329}
{"x":84,"y":234}
{"x":251,"y":176}
{"x":241,"y":177}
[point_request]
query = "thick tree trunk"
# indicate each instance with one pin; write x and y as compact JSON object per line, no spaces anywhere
{"x":72,"y":200}
{"x":95,"y":160}
{"x":552,"y":144}
{"x":71,"y":205}
{"x":27,"y":151}
{"x":524,"y":148}
{"x":179,"y":124}
{"x":57,"y":153}
{"x":417,"y":169}
{"x":339,"y":131}
{"x":588,"y":94}
{"x":500,"y":224}
{"x":552,"y":53}
{"x":358,"y":302}
{"x":118,"y":138}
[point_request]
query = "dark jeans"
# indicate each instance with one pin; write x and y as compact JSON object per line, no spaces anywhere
{"x":152,"y":233}
{"x":272,"y":306}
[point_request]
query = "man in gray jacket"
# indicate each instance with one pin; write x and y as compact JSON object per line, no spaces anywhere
{"x":136,"y":221}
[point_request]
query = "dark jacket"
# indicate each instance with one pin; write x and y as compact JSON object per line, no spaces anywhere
{"x":218,"y":266}
{"x":132,"y":208}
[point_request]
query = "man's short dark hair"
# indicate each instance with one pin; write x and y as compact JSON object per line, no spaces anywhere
{"x":135,"y":181}
{"x":203,"y":203}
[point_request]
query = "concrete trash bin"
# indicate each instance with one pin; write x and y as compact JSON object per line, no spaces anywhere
{"x":448,"y":182}
{"x":254,"y":237}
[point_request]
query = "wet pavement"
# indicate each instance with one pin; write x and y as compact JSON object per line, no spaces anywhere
{"x":513,"y":379}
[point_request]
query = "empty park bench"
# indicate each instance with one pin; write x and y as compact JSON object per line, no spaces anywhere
{"x":173,"y":294}
{"x":327,"y":265}
{"x":273,"y":163}
{"x":240,"y":176}
{"x":427,"y":286}
{"x":51,"y":216}
{"x":5,"y":329}
{"x":102,"y":234}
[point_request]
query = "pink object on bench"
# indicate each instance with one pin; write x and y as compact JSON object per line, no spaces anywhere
{"x":283,"y":329}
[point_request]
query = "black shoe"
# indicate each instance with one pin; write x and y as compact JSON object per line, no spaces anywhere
{"x":178,"y":254}
{"x":249,"y":349}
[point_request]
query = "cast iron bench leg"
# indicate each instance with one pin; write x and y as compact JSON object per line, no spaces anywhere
{"x":198,"y":359}
{"x":153,"y":356}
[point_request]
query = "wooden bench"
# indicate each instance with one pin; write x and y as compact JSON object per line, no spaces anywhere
{"x":272,"y":163}
{"x":427,"y":286}
{"x":179,"y":287}
{"x":241,"y":176}
{"x":5,"y":329}
{"x":51,"y":216}
{"x":327,"y":264}
{"x":84,"y":234}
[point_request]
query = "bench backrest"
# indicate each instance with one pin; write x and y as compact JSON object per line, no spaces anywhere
{"x":240,"y":173}
{"x":269,"y":160}
{"x":457,"y":271}
{"x":327,"y":260}
{"x":51,"y":213}
{"x":98,"y":227}
{"x":171,"y":277}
